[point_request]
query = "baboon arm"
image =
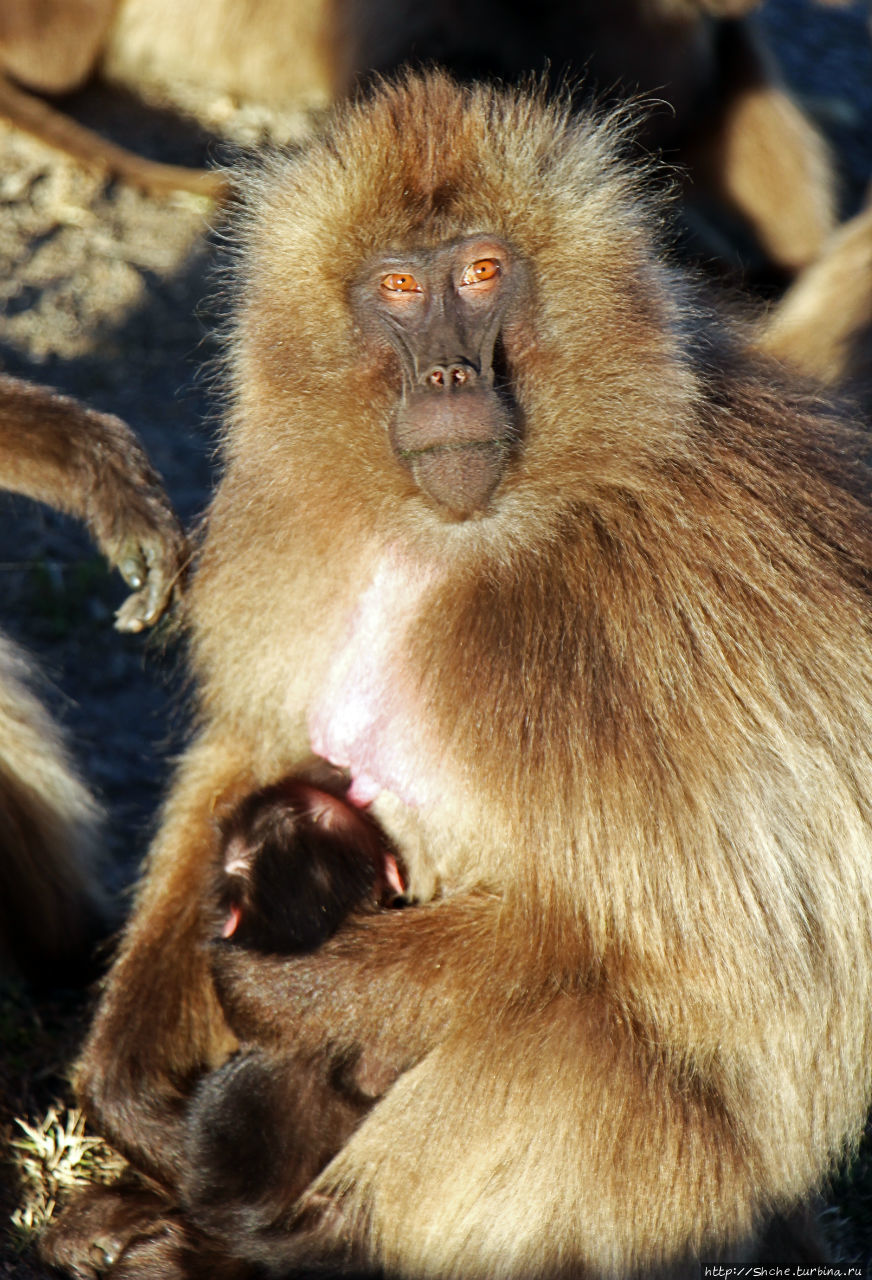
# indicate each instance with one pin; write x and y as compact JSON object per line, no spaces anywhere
{"x":91,"y":466}
{"x":394,"y":981}
{"x":158,"y":1024}
{"x":636,"y":1155}
{"x":823,"y":324}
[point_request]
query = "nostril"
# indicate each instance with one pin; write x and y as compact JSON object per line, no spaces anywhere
{"x":455,"y":374}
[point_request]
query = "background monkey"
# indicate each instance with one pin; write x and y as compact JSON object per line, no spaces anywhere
{"x":576,"y":588}
{"x":52,"y":905}
{"x":89,"y":465}
{"x":53,"y":48}
{"x":760,"y":192}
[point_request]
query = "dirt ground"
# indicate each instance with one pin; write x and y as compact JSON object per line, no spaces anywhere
{"x":109,"y":295}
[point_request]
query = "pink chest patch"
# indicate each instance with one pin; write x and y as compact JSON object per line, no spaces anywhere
{"x":364,"y":718}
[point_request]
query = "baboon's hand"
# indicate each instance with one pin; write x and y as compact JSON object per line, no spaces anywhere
{"x":137,"y":530}
{"x":152,"y":562}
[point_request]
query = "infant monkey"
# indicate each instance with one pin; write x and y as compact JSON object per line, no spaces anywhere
{"x":296,"y":862}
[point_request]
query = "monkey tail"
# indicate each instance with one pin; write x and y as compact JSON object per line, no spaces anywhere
{"x":57,"y":130}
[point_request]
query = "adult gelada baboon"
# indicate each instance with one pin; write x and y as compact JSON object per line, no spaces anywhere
{"x":574,"y":588}
{"x":89,"y":465}
{"x":760,"y":186}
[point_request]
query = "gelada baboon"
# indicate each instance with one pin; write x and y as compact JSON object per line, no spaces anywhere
{"x":89,"y":465}
{"x":760,"y":187}
{"x":574,"y":587}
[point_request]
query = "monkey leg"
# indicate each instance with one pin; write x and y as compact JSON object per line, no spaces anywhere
{"x":823,"y":324}
{"x":158,"y":1025}
{"x":130,"y":1231}
{"x":511,"y":1094}
{"x":261,"y":1128}
{"x":643,"y":1164}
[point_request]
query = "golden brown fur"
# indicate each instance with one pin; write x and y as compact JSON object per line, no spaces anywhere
{"x":823,"y":325}
{"x":622,"y":719}
{"x":51,"y":903}
{"x":90,"y":465}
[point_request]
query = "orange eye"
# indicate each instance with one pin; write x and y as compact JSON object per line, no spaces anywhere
{"x":481,"y":271}
{"x":400,"y":282}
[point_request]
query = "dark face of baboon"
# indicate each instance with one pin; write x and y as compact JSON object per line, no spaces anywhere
{"x":442,"y":311}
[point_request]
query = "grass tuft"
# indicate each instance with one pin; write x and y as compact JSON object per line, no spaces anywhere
{"x":54,"y":1156}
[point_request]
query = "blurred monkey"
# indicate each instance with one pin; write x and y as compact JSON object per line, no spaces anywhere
{"x":760,"y":176}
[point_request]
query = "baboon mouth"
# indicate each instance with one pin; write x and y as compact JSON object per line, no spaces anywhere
{"x":460,"y":477}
